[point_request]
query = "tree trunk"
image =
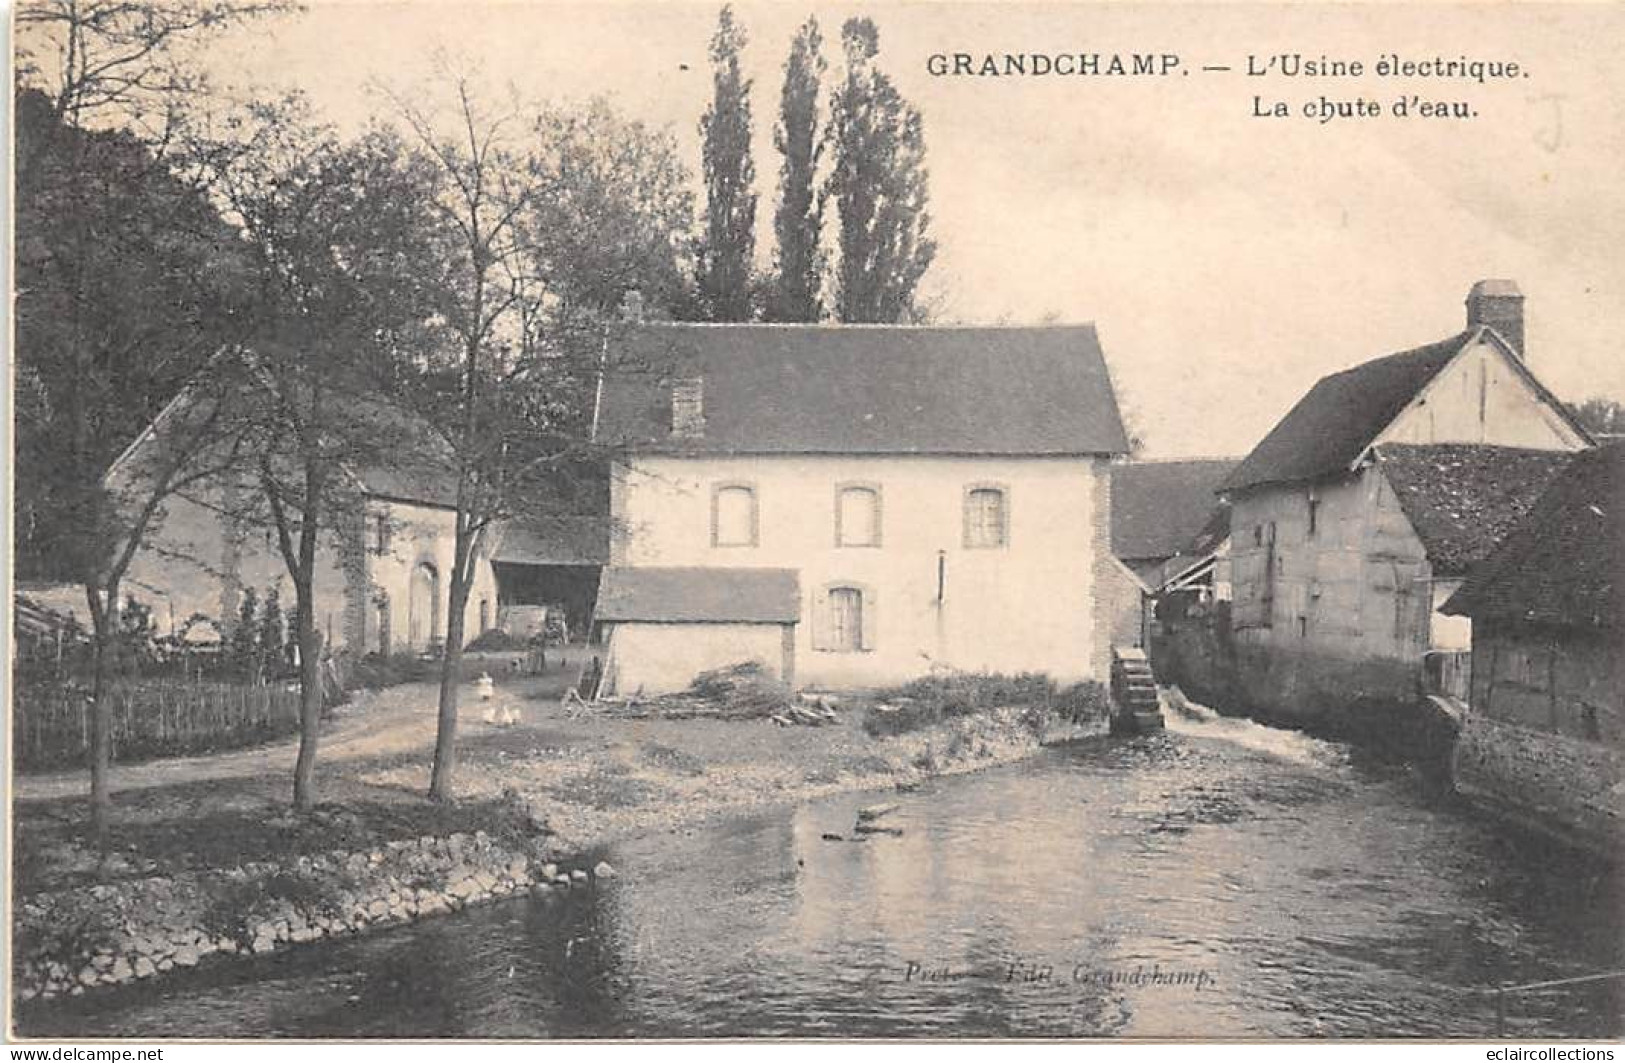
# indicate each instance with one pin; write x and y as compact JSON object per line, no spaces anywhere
{"x":310,"y":703}
{"x":445,"y":744}
{"x":310,"y":648}
{"x":104,"y":615}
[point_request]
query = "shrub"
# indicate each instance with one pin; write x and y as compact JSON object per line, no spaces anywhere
{"x":947,"y":695}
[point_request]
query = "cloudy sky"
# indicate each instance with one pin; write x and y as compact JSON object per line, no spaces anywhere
{"x":1228,"y":260}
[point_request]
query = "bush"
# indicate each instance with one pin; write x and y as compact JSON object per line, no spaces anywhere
{"x":496,"y":640}
{"x":934,"y":698}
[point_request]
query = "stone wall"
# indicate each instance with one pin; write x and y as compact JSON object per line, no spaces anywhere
{"x":1562,"y":786}
{"x":71,"y":940}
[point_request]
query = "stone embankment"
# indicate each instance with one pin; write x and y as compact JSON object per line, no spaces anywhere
{"x":74,"y":939}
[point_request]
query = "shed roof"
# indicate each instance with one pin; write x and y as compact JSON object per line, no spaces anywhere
{"x":1341,"y":415}
{"x":699,"y":595}
{"x":1159,"y":507}
{"x":1462,"y":499}
{"x":1563,"y":563}
{"x":869,"y":389}
{"x":552,"y":540}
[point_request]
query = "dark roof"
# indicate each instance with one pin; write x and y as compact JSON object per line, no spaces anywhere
{"x":699,"y":595}
{"x":1341,"y":415}
{"x":1159,"y":507}
{"x":869,"y":389}
{"x":1563,"y":563}
{"x":1462,"y":499}
{"x":552,"y":540}
{"x":412,"y":464}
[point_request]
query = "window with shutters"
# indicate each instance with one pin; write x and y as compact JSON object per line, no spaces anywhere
{"x":987,"y":517}
{"x":733,"y":515}
{"x":845,"y":619}
{"x":857,"y":515}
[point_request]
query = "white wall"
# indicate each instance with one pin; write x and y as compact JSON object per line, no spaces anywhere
{"x":1480,"y":397}
{"x":1027,"y":606}
{"x":660,"y":658}
{"x":417,"y":535}
{"x":1449,"y":632}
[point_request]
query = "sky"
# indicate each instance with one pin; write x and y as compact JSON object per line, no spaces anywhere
{"x":1227,"y":260}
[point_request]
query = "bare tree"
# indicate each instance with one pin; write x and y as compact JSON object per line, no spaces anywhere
{"x":522,"y":281}
{"x":126,"y":59}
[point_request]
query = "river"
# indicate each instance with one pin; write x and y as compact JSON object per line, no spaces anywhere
{"x":1220,"y":880}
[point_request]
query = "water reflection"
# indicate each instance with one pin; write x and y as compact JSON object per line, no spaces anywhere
{"x":1077,"y":895}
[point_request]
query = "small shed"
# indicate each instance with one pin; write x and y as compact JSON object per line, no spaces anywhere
{"x":662,"y":626}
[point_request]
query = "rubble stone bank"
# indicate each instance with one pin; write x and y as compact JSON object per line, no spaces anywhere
{"x":76,"y":939}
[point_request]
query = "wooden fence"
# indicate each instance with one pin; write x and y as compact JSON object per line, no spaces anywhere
{"x":151,"y":717}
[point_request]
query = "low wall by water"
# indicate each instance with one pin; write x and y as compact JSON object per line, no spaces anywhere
{"x":1568,"y":787}
{"x":70,"y":940}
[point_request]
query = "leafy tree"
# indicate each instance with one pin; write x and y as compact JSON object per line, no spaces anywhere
{"x":1600,"y":416}
{"x":331,"y":227}
{"x":273,"y":637}
{"x":245,"y":635}
{"x":124,"y":279}
{"x":728,"y":250}
{"x":879,"y":183}
{"x":798,"y":222}
{"x":611,"y":212}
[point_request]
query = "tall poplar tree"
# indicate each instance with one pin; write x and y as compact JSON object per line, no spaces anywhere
{"x":730,"y":214}
{"x":879,"y":182}
{"x":798,"y":222}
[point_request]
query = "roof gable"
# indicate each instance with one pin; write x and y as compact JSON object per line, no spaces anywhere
{"x":1462,"y":499}
{"x":852,"y":389}
{"x":1563,"y":562}
{"x":1341,"y":415}
{"x":1160,"y":507}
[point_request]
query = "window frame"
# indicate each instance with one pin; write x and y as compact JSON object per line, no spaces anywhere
{"x":823,"y":619}
{"x":717,"y":490}
{"x":971,"y":490}
{"x":874,"y":490}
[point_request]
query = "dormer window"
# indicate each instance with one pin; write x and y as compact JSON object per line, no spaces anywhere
{"x":688,"y":408}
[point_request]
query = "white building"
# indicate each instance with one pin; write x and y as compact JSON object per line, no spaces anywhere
{"x":854,"y":505}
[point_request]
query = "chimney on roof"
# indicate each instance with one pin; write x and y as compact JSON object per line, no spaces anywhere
{"x":688,"y":408}
{"x":632,"y":307}
{"x":1498,"y":304}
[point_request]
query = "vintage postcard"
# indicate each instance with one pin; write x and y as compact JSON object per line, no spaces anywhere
{"x":652,"y":521}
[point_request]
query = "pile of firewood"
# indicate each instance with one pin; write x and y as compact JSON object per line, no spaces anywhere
{"x":739,"y":692}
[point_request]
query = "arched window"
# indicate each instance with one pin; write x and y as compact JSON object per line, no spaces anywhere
{"x":857,"y":515}
{"x":733,"y":515}
{"x":987,"y":517}
{"x":423,"y":607}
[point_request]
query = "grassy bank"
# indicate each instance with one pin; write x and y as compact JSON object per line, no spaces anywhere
{"x":566,"y":782}
{"x":207,"y":865}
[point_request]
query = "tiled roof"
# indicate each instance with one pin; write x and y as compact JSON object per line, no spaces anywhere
{"x":1563,"y":563}
{"x":1159,"y":507}
{"x":552,"y":540}
{"x":1341,"y":415}
{"x":699,"y":595}
{"x":1462,"y":499}
{"x":854,"y":389}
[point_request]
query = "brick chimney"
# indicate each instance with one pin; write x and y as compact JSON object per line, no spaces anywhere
{"x":1498,"y":304}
